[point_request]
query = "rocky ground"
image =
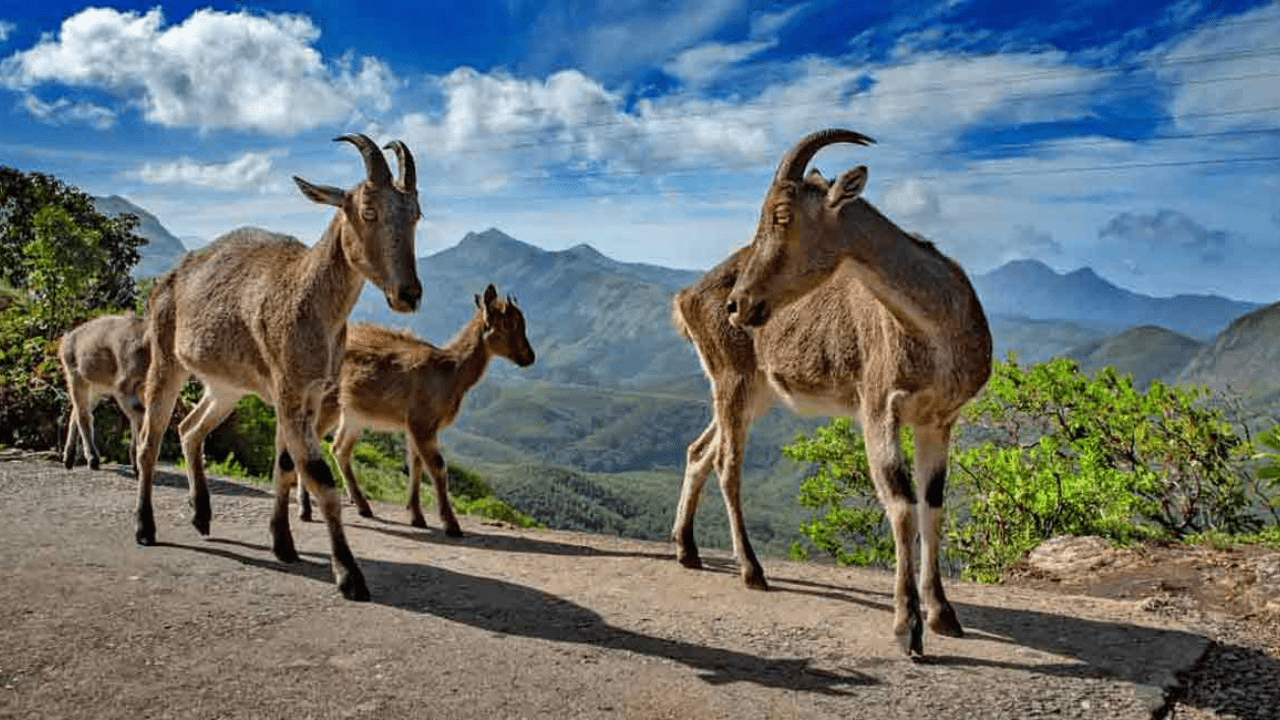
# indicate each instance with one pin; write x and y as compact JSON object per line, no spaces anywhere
{"x":509,"y":623}
{"x":1231,"y":595}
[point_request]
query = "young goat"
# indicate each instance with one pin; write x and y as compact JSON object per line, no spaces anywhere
{"x":392,"y":381}
{"x":261,"y":313}
{"x":107,"y":355}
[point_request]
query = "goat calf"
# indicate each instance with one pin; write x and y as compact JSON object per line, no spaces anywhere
{"x":107,"y":355}
{"x":391,"y":380}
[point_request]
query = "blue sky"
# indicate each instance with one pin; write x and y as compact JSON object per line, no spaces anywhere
{"x":1141,"y":139}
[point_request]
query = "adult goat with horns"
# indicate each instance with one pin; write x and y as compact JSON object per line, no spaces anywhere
{"x":833,"y":309}
{"x":257,"y":312}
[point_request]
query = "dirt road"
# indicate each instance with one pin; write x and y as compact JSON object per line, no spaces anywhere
{"x":505,"y":623}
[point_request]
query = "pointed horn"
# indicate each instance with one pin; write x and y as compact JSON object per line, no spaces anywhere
{"x":798,"y":157}
{"x":408,"y":171}
{"x":375,"y":163}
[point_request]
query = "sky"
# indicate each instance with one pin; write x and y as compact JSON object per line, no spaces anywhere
{"x":1141,"y":139}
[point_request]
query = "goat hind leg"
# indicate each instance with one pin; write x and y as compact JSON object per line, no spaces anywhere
{"x":429,"y":452}
{"x":931,"y":476}
{"x":214,"y":407}
{"x":893,"y":486}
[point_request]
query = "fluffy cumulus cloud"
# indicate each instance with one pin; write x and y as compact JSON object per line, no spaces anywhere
{"x":212,"y":70}
{"x":1169,"y":230}
{"x":6,"y":29}
{"x":250,"y":170}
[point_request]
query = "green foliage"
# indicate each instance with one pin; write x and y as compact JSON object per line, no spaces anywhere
{"x":1270,"y":470}
{"x":247,"y":438}
{"x":1048,"y":451}
{"x":64,"y":263}
{"x":851,"y":525}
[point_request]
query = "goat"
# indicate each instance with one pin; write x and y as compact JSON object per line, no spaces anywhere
{"x":391,"y":380}
{"x":847,"y":315}
{"x":257,"y":312}
{"x":107,"y":355}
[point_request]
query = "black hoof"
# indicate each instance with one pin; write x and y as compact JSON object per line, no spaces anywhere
{"x":691,"y":561}
{"x":418,"y":522}
{"x":69,"y":462}
{"x":94,"y":463}
{"x":911,"y":640}
{"x":305,"y":515}
{"x":454,"y":532}
{"x":945,"y":622}
{"x":282,"y":547}
{"x":202,"y":515}
{"x":365,"y":512}
{"x":351,"y":585}
{"x":754,"y":579}
{"x":145,"y":529}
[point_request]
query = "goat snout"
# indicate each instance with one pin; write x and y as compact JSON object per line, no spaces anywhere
{"x":410,"y":295}
{"x":745,"y":313}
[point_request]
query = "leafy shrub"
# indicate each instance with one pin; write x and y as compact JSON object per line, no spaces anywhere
{"x":1047,"y":451}
{"x":851,"y":526}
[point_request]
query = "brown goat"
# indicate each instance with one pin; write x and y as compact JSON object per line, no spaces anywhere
{"x":256,"y":312}
{"x":107,"y":355}
{"x":848,"y":315}
{"x":391,"y":381}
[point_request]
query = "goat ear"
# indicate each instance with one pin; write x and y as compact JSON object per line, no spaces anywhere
{"x":815,"y":179}
{"x":490,"y":294}
{"x":848,"y":187}
{"x":323,"y":194}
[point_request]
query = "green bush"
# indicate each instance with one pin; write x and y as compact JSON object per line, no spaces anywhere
{"x":1046,"y":451}
{"x":851,"y":526}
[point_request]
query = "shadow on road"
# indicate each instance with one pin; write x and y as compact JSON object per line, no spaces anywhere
{"x":502,"y":607}
{"x":504,"y":543}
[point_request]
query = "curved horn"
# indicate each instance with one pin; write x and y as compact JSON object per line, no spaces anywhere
{"x":408,"y":172}
{"x":375,"y":163}
{"x":798,"y":157}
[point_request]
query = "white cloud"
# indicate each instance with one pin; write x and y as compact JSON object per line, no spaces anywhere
{"x":250,"y":170}
{"x":700,"y":65}
{"x":63,"y":111}
{"x":767,"y":25}
{"x":608,"y":37}
{"x":213,"y":70}
{"x":6,"y":29}
{"x":1222,"y":68}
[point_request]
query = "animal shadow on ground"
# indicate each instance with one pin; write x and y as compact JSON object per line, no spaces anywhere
{"x":502,"y":607}
{"x":504,"y":543}
{"x":1238,"y":688}
{"x":217,"y":486}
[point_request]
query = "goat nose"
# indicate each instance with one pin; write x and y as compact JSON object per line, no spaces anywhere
{"x":731,"y":307}
{"x":411,"y":294}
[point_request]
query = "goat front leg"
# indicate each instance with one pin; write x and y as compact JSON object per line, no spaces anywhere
{"x":295,"y":425}
{"x":932,"y":444}
{"x":428,"y":451}
{"x":893,"y":486}
{"x":283,"y":475}
{"x":729,"y":458}
{"x":698,"y":461}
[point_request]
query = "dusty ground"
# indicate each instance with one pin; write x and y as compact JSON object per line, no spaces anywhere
{"x":511,"y":623}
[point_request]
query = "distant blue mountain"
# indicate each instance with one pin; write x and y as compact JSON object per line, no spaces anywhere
{"x":1030,"y":289}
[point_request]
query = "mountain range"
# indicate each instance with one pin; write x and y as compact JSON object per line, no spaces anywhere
{"x":597,"y":427}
